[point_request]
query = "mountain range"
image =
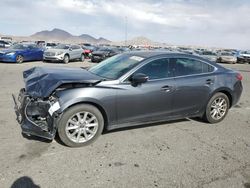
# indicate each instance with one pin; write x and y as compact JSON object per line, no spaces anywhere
{"x":61,"y":35}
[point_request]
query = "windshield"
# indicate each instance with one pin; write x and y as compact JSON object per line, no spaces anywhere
{"x":51,"y":44}
{"x":116,"y":66}
{"x":62,"y":46}
{"x":245,"y":52}
{"x":103,"y":49}
{"x":208,"y":53}
{"x":226,"y":54}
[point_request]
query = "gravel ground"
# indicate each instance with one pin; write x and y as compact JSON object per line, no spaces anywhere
{"x":185,"y":153}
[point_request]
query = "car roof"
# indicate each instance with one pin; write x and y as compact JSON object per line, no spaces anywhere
{"x":149,"y":54}
{"x":152,"y":53}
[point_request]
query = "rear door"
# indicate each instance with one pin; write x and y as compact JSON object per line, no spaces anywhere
{"x":77,"y":50}
{"x":194,"y":82}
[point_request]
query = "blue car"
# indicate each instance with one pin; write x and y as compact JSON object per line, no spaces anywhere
{"x":19,"y":53}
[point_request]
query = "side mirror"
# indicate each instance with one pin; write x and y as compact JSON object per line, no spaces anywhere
{"x":70,"y":49}
{"x":138,"y":78}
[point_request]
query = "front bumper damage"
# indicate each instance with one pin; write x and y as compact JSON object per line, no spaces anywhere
{"x":36,"y":116}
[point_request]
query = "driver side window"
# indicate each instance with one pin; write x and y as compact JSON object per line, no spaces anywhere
{"x":156,"y":69}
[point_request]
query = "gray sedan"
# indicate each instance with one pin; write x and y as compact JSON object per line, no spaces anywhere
{"x":125,"y":90}
{"x":64,"y":53}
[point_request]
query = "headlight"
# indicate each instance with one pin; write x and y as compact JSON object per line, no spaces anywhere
{"x":11,"y":53}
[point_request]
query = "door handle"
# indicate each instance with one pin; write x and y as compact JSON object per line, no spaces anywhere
{"x":166,"y":88}
{"x":209,"y":81}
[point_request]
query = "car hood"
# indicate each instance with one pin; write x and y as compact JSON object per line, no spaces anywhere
{"x":100,"y":52}
{"x":42,"y":81}
{"x":245,"y":55}
{"x":228,"y":56}
{"x":56,"y":50}
{"x":5,"y":51}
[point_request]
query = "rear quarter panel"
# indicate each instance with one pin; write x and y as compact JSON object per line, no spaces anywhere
{"x":226,"y":81}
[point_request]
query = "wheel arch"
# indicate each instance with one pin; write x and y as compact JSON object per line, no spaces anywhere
{"x":67,"y":55}
{"x":95,"y":104}
{"x":227,"y":92}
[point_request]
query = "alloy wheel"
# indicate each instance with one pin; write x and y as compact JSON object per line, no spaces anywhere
{"x":19,"y":59}
{"x":218,"y":108}
{"x":81,"y":127}
{"x":66,"y":59}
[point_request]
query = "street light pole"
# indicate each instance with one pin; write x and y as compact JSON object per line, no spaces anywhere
{"x":126,"y":30}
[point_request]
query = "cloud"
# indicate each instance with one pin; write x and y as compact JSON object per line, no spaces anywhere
{"x":221,"y":23}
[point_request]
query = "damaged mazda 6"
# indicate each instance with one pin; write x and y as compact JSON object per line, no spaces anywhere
{"x":129,"y":89}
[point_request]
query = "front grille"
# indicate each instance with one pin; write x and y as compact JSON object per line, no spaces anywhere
{"x":49,"y":53}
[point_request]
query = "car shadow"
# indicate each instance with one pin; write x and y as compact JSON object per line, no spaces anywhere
{"x":36,"y":138}
{"x":58,"y":140}
{"x":15,"y":63}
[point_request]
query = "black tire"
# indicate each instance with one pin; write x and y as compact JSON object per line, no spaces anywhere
{"x":66,"y":59}
{"x":82,"y":58}
{"x":67,"y":115}
{"x":208,"y":117}
{"x":19,"y":59}
{"x":219,"y":60}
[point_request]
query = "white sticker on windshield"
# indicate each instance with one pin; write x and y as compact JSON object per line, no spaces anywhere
{"x":137,"y":58}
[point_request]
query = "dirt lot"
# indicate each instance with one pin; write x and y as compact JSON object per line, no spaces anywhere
{"x":186,"y":153}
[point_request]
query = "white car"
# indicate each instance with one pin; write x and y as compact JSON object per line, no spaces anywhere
{"x":227,"y":57}
{"x":64,"y":53}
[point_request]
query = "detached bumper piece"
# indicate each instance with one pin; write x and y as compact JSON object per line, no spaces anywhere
{"x":33,"y":116}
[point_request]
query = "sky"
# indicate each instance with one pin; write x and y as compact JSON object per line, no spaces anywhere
{"x":215,"y":23}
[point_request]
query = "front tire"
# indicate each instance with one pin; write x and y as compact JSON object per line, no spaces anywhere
{"x":217,"y":108}
{"x":80,"y":125}
{"x":66,"y":59}
{"x":82,"y":58}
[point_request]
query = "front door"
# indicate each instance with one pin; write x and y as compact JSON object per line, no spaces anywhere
{"x":148,"y":101}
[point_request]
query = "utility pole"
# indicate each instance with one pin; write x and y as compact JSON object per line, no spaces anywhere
{"x":126,"y":30}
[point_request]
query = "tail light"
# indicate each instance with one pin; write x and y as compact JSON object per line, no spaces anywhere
{"x":239,"y":76}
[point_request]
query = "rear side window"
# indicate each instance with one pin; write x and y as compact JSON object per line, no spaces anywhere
{"x":156,"y":69}
{"x":186,"y":66}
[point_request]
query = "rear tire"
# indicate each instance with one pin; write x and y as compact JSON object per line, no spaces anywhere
{"x":217,"y":108}
{"x":75,"y":127}
{"x":19,"y":59}
{"x":219,"y":60}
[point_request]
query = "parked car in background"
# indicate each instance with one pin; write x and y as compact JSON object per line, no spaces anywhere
{"x":19,"y":53}
{"x":210,"y":55}
{"x":243,"y":57}
{"x":88,"y":50}
{"x":50,"y":45}
{"x":128,"y":89}
{"x":226,"y":57}
{"x":4,"y":44}
{"x":64,"y":53}
{"x":7,"y":39}
{"x":103,"y":53}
